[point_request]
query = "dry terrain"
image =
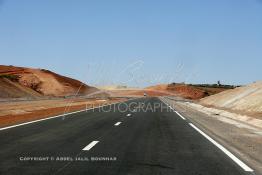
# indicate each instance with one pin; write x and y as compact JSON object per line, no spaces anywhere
{"x":20,"y":82}
{"x":233,"y":117}
{"x":193,"y":92}
{"x":28,"y":94}
{"x":243,"y":100}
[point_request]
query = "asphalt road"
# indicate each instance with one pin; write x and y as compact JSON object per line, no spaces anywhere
{"x":95,"y":142}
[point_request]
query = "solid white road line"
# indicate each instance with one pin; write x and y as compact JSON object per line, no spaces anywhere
{"x":175,"y":111}
{"x":61,"y":115}
{"x":180,"y":115}
{"x":171,"y":108}
{"x":229,"y":154}
{"x":118,"y":123}
{"x":128,"y":115}
{"x":90,"y":145}
{"x":8,"y":127}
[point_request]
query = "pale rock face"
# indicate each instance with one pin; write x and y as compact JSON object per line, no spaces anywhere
{"x":247,"y":98}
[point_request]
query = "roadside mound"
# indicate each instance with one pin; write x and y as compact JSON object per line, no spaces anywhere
{"x":39,"y":82}
{"x":189,"y":91}
{"x":181,"y":90}
{"x":247,"y":98}
{"x":159,"y":87}
{"x":11,"y":89}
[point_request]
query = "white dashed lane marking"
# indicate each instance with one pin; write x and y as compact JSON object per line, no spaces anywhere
{"x":118,"y":123}
{"x":90,"y":145}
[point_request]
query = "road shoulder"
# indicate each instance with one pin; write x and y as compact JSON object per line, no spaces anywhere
{"x":245,"y":143}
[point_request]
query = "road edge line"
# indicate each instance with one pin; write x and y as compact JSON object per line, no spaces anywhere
{"x":222,"y":148}
{"x":180,"y":115}
{"x":56,"y":116}
{"x":173,"y":110}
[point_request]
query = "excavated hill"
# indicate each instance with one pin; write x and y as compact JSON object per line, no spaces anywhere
{"x":12,"y":89}
{"x":17,"y":82}
{"x":246,"y":99}
{"x":187,"y":90}
{"x":181,"y":90}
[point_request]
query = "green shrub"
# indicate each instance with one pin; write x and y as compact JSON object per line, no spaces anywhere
{"x":10,"y":77}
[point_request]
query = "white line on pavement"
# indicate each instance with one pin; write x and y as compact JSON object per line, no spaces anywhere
{"x":118,"y":123}
{"x":180,"y":115}
{"x":21,"y":124}
{"x":175,"y":111}
{"x":128,"y":115}
{"x":90,"y":145}
{"x":229,"y":154}
{"x":8,"y":127}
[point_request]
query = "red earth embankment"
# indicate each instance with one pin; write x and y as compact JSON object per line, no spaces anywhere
{"x":17,"y":82}
{"x":187,"y":91}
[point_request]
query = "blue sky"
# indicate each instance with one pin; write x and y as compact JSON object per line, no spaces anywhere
{"x":136,"y":42}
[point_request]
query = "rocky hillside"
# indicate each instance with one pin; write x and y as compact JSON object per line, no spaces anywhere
{"x":17,"y":82}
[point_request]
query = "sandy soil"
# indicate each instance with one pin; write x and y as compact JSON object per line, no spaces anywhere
{"x":138,"y":93}
{"x":44,"y":82}
{"x":180,"y":90}
{"x":10,"y":89}
{"x":246,"y":99}
{"x":186,"y":91}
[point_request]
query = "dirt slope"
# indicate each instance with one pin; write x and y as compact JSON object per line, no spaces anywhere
{"x":181,"y":90}
{"x":136,"y":93}
{"x":11,"y":89}
{"x":247,"y":98}
{"x":187,"y":90}
{"x":24,"y":82}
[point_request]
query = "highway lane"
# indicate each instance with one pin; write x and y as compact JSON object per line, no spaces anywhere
{"x":151,"y":142}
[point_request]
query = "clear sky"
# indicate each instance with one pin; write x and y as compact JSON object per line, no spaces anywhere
{"x":135,"y":42}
